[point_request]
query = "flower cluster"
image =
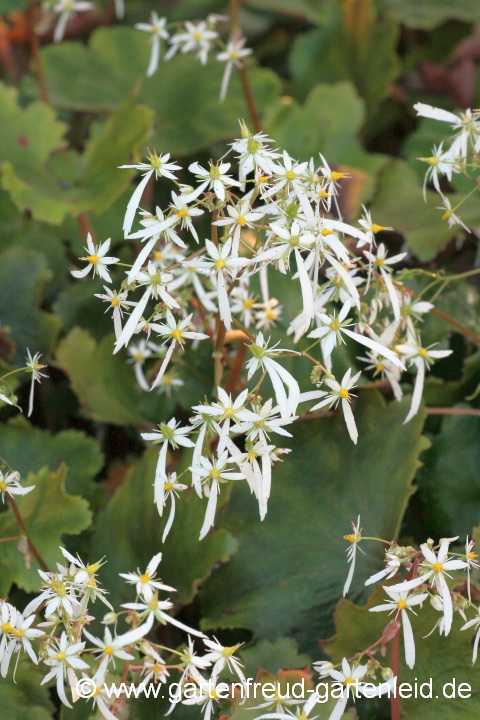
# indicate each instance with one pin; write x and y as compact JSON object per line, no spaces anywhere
{"x":428,"y":570}
{"x":460,"y":157}
{"x":275,"y":215}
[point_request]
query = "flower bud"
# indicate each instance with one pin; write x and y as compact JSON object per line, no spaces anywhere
{"x":110,"y":618}
{"x":387,"y":674}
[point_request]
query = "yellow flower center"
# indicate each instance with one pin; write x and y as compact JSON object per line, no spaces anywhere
{"x":144,"y":578}
{"x":248,"y":304}
{"x":158,"y":668}
{"x":92,"y":259}
{"x":215,"y":474}
{"x":323,"y":194}
{"x":115,"y":301}
{"x":212,"y":694}
{"x":198,"y":36}
{"x":3,"y":486}
{"x":167,"y":486}
{"x":402,"y":604}
{"x":108,"y":650}
{"x":379,"y":366}
{"x":60,"y":656}
{"x":251,"y":456}
{"x":349,"y":681}
{"x":176,"y":334}
{"x":182,"y":213}
{"x":423,"y":353}
{"x":351,"y":538}
{"x":18,"y":633}
{"x":379,"y":262}
{"x":7,"y":628}
{"x":92,"y":582}
{"x":472,"y":555}
{"x":447,"y":214}
{"x":326,"y":232}
{"x":438,"y":567}
{"x":431,"y":160}
{"x":139,"y":356}
{"x":229,"y":412}
{"x":337,"y":175}
{"x":233,"y":55}
{"x":262,"y":178}
{"x":343,"y":394}
{"x":335,"y":325}
{"x":220,"y":264}
{"x":240,"y":220}
{"x":158,"y":255}
{"x":271,"y":314}
{"x":291,"y":175}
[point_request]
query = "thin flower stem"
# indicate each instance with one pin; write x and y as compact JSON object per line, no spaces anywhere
{"x":461,"y":328}
{"x":452,"y":411}
{"x":24,"y":533}
{"x":11,"y":539}
{"x":242,"y":327}
{"x":36,"y":57}
{"x":12,"y":372}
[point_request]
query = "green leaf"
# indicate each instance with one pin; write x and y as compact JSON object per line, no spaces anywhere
{"x":48,"y":513}
{"x":399,"y":203}
{"x":283,"y":653}
{"x":309,"y":10}
{"x":428,"y":14}
{"x":132,"y":519}
{"x":183,"y":94}
{"x":25,"y":698}
{"x":328,"y":122}
{"x":441,"y":659}
{"x":52,"y":186}
{"x":28,"y":449}
{"x":290,"y":569}
{"x":449,"y":482}
{"x":105,"y":384}
{"x":23,"y":274}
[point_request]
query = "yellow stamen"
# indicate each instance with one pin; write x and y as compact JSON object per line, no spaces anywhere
{"x":326,"y":232}
{"x":240,"y":220}
{"x":337,"y":175}
{"x":92,"y":259}
{"x":215,"y":474}
{"x":438,"y":567}
{"x":3,"y":486}
{"x":472,"y":555}
{"x":60,"y":656}
{"x":108,"y":650}
{"x":177,"y":334}
{"x":115,"y":301}
{"x":291,"y":175}
{"x":144,"y":578}
{"x":182,"y":213}
{"x":248,"y":304}
{"x":447,"y":214}
{"x":344,"y":394}
{"x":379,"y":366}
{"x":423,"y":352}
{"x":167,"y":486}
{"x":351,"y":538}
{"x":402,"y":604}
{"x":139,"y":356}
{"x":377,"y":228}
{"x":229,"y":412}
{"x":271,"y":315}
{"x":220,"y":264}
{"x":379,"y":262}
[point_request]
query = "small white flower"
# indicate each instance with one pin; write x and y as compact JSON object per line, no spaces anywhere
{"x":34,"y":367}
{"x":401,"y":602}
{"x":10,"y":484}
{"x":66,"y":10}
{"x":221,"y":656}
{"x":383,"y":265}
{"x":450,"y":216}
{"x":238,"y":217}
{"x":156,"y":29}
{"x":97,"y":260}
{"x":215,"y":178}
{"x":263,"y":357}
{"x":145,"y":583}
{"x":338,"y":392}
{"x":232,"y":55}
{"x":155,"y":610}
{"x":112,"y":647}
{"x":168,"y":434}
{"x":64,"y":660}
{"x":353,"y":538}
{"x":175,"y":332}
{"x":167,"y":488}
{"x":222,"y":263}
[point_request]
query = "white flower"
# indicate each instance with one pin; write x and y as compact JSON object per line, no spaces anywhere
{"x":384,"y":266}
{"x":112,"y":647}
{"x":223,"y":262}
{"x":197,"y":37}
{"x":331,"y":177}
{"x":156,"y":29}
{"x":354,"y":538}
{"x":269,"y":421}
{"x":138,"y":354}
{"x":145,"y":583}
{"x":472,"y":562}
{"x":174,"y":331}
{"x":263,"y":357}
{"x":449,"y":215}
{"x":167,"y":488}
{"x":338,"y":391}
{"x":254,"y":152}
{"x":155,"y":610}
{"x":226,"y":411}
{"x":466,"y":126}
{"x":421,"y":358}
{"x":215,"y":178}
{"x":349,"y":679}
{"x":475,"y":623}
{"x":239,"y":217}
{"x":215,"y":472}
{"x":221,"y":656}
{"x":435,"y":567}
{"x":117,"y":302}
{"x":285,"y":176}
{"x":299,"y":714}
{"x":439,"y":163}
{"x":331,"y":329}
{"x":168,"y":434}
{"x":232,"y":55}
{"x":63,"y":658}
{"x":206,"y":696}
{"x":10,"y":484}
{"x":156,"y":283}
{"x":401,"y":602}
{"x":159,"y":165}
{"x":393,"y":564}
{"x":66,"y":10}
{"x":97,"y":260}
{"x":58,"y":594}
{"x":180,"y":214}
{"x":370,"y":228}
{"x":34,"y":367}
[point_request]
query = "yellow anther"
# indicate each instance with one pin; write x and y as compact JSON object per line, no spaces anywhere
{"x":349,"y":681}
{"x":144,"y":578}
{"x":215,"y":474}
{"x":3,"y":486}
{"x":291,"y":175}
{"x":220,"y":264}
{"x":402,"y":604}
{"x":60,"y":656}
{"x":337,"y":175}
{"x":248,"y":304}
{"x":377,"y":228}
{"x":447,"y":214}
{"x":271,"y":314}
{"x":344,"y":394}
{"x":438,"y":567}
{"x":182,"y":213}
{"x":379,"y":262}
{"x":229,"y":412}
{"x":108,"y":650}
{"x":423,"y":352}
{"x":326,"y":232}
{"x":177,"y":334}
{"x":115,"y":301}
{"x":92,"y":259}
{"x":158,"y":255}
{"x":167,"y":486}
{"x":351,"y":538}
{"x":379,"y":366}
{"x":139,"y":356}
{"x":240,"y":220}
{"x":472,"y":556}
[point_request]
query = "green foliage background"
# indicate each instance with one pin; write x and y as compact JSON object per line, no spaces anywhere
{"x":333,"y":77}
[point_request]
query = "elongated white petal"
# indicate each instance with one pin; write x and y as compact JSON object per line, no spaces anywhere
{"x":210,"y":512}
{"x":164,"y":366}
{"x":348,"y":581}
{"x":140,"y":259}
{"x":381,"y":349}
{"x":349,"y":420}
{"x":134,"y":202}
{"x":392,"y":293}
{"x":154,"y":56}
{"x":408,"y":640}
{"x":306,"y":286}
{"x":417,"y":391}
{"x":133,"y":320}
{"x":447,"y":603}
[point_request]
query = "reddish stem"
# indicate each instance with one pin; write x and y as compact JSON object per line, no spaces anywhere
{"x":24,"y":533}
